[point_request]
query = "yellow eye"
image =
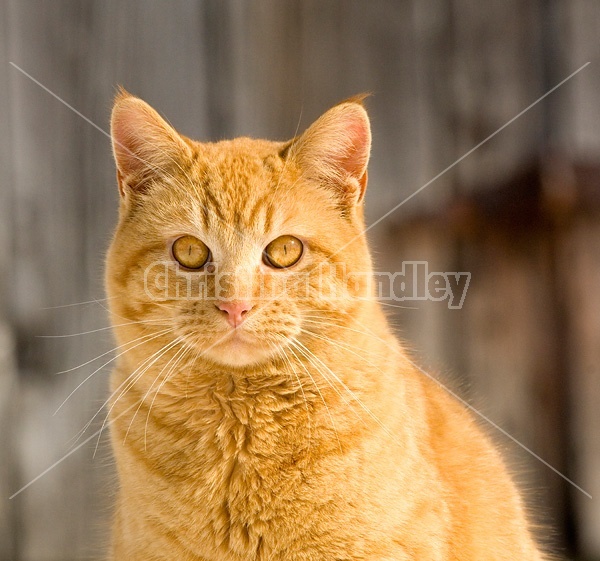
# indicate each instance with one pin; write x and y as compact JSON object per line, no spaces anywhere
{"x":190,"y":252}
{"x":283,"y":252}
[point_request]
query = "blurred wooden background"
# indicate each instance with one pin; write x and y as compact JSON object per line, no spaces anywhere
{"x":521,"y":213}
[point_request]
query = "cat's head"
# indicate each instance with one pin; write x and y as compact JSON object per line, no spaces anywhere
{"x":233,"y":247}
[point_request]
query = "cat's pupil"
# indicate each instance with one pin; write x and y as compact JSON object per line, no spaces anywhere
{"x":277,"y":255}
{"x":190,"y":252}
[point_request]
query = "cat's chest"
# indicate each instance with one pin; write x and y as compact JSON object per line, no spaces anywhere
{"x":232,"y":469}
{"x":253,"y":448}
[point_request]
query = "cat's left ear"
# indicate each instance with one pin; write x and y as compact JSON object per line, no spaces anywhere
{"x":335,"y":150}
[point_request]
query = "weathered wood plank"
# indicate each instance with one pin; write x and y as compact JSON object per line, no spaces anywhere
{"x":9,"y":387}
{"x":512,"y":357}
{"x":429,"y":327}
{"x":576,"y":120}
{"x":577,"y":116}
{"x":580,"y":279}
{"x":497,"y":72}
{"x":48,"y":188}
{"x":65,"y":206}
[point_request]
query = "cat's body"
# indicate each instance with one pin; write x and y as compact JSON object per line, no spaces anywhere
{"x":303,"y":432}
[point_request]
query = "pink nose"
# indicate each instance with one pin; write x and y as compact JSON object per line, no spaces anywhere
{"x":235,"y":311}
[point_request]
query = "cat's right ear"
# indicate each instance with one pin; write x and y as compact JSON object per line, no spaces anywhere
{"x":145,"y":146}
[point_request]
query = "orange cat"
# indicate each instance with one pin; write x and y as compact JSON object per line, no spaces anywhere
{"x":262,"y":408}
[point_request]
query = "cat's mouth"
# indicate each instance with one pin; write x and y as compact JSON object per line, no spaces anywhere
{"x":238,"y":347}
{"x":236,"y":336}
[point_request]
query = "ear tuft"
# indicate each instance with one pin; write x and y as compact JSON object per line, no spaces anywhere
{"x":121,"y":94}
{"x":359,"y":99}
{"x":145,"y":146}
{"x":335,"y":149}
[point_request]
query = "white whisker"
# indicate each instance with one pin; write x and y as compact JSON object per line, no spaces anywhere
{"x":340,"y":345}
{"x":384,"y":303}
{"x":308,"y":355}
{"x":152,"y":337}
{"x":144,"y":322}
{"x":145,"y":361}
{"x":94,"y":301}
{"x":184,"y":350}
{"x":132,"y":379}
{"x":281,"y":352}
{"x":103,"y":354}
{"x":352,"y":394}
{"x":333,"y":425}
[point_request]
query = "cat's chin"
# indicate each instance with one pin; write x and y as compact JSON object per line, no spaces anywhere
{"x":239,"y":350}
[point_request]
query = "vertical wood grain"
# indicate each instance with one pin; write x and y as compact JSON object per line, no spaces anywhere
{"x":580,"y":276}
